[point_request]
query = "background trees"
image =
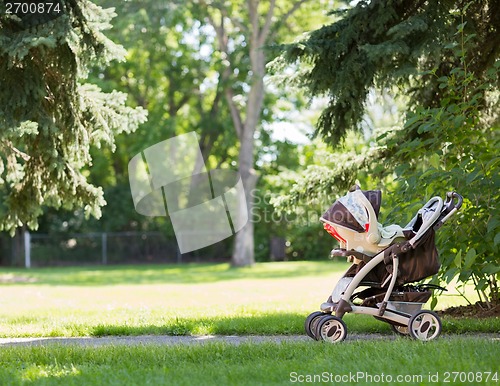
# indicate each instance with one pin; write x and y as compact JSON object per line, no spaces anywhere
{"x":176,"y":69}
{"x":243,"y":31}
{"x":445,"y":58}
{"x":201,"y":66}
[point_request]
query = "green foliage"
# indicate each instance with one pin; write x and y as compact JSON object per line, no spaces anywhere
{"x":301,"y":230}
{"x":450,"y":137}
{"x":327,"y":175}
{"x":385,"y":43}
{"x":457,"y":147}
{"x":175,"y":70}
{"x":49,"y":117}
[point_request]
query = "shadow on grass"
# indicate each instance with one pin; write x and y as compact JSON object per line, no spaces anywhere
{"x":270,"y":324}
{"x":155,"y":274}
{"x":282,"y":324}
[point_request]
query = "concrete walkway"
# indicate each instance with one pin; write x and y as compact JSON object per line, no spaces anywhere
{"x":147,"y":339}
{"x":176,"y":340}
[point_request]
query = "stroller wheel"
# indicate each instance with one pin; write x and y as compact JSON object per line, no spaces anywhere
{"x":424,"y":325}
{"x":400,"y":330}
{"x":331,"y":329}
{"x":311,"y":323}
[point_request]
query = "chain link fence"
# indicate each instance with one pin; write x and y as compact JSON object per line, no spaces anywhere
{"x":101,"y":248}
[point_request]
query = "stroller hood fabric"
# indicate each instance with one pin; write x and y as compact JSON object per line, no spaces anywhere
{"x":350,"y":213}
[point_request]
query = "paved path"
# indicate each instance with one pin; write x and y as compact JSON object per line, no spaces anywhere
{"x":147,"y":339}
{"x":175,"y":340}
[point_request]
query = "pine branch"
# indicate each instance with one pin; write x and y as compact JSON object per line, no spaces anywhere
{"x":9,"y":145}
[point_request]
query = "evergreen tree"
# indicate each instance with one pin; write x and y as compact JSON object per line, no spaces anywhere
{"x":388,"y":42}
{"x":49,"y":116}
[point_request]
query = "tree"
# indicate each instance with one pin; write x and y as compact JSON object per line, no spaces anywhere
{"x":49,"y":117}
{"x":253,"y":27}
{"x":201,"y":66}
{"x":386,"y":43}
{"x":445,"y":57}
{"x":171,"y":72}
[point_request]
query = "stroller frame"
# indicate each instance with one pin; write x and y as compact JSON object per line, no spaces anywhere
{"x":423,"y":325}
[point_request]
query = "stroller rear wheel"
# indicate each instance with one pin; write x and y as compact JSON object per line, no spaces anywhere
{"x":400,"y":330}
{"x":424,"y":325}
{"x":331,"y":329}
{"x":311,"y":323}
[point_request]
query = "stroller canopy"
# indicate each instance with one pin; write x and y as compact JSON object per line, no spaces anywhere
{"x":348,"y":212}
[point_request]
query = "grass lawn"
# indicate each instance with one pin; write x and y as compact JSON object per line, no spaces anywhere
{"x":399,"y":362}
{"x":271,"y":298}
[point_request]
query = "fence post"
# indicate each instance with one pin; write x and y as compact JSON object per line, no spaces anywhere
{"x":179,"y":255}
{"x":104,"y":239}
{"x":27,"y":249}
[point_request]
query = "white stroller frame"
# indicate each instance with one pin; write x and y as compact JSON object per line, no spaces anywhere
{"x":419,"y":324}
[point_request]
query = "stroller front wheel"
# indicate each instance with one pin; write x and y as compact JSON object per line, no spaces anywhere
{"x":311,"y":324}
{"x":331,"y":329}
{"x":424,"y":325}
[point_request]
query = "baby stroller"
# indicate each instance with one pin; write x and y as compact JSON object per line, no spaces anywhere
{"x":386,"y":260}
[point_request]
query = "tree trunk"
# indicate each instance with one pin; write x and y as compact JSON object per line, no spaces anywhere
{"x":243,"y":253}
{"x":258,"y":31}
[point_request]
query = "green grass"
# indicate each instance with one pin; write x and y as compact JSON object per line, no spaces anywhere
{"x":270,"y":298}
{"x":250,"y":364}
{"x":159,"y":274}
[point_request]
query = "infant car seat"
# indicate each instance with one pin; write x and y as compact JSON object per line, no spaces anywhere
{"x":353,"y":221}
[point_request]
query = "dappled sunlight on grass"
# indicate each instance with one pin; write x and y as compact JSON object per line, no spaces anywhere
{"x":271,"y":298}
{"x":36,"y":372}
{"x":151,"y":274}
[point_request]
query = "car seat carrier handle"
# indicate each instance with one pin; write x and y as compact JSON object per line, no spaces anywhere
{"x":372,"y":233}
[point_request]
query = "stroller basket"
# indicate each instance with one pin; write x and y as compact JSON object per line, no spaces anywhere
{"x":406,"y":307}
{"x":409,"y":301}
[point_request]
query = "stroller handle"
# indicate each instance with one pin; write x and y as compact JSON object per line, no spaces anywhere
{"x":448,"y":209}
{"x":450,"y":197}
